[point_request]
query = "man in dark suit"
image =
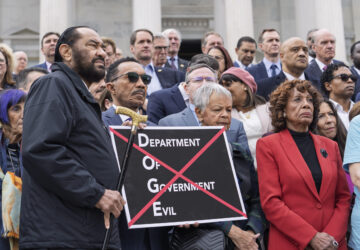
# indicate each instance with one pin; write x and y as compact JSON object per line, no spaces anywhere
{"x":245,"y":50}
{"x":294,"y":58}
{"x":324,"y":48}
{"x":131,"y":95}
{"x":141,"y":46}
{"x":48,"y":43}
{"x":269,"y":43}
{"x":169,"y":101}
{"x":173,"y":60}
{"x":355,"y":69}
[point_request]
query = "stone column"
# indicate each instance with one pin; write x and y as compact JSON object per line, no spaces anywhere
{"x":356,"y":18}
{"x":54,"y":16}
{"x":147,"y":14}
{"x":233,"y":19}
{"x":328,"y":15}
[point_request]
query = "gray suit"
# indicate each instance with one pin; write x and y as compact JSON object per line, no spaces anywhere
{"x":236,"y":133}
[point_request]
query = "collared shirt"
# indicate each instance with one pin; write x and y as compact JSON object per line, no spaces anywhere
{"x":268,"y":65}
{"x":343,"y":115}
{"x":321,"y":65}
{"x":123,"y":117}
{"x":175,"y":61}
{"x":357,"y":70}
{"x":192,"y":107}
{"x":183,"y":93}
{"x":242,"y":66}
{"x":48,"y":65}
{"x":155,"y":83}
{"x":291,"y":77}
{"x":310,"y":58}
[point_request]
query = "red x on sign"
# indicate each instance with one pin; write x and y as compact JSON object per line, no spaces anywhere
{"x":178,"y":174}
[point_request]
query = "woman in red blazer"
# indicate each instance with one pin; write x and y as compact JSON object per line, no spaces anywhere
{"x":303,"y":189}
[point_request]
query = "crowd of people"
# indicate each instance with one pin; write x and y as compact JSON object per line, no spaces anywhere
{"x":291,"y":122}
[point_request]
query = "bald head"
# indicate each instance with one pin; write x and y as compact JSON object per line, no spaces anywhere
{"x":294,"y":56}
{"x":324,"y":46}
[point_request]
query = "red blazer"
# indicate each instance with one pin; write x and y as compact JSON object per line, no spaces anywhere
{"x":290,"y":201}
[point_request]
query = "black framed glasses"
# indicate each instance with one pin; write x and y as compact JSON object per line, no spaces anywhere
{"x":345,"y":77}
{"x":134,"y":77}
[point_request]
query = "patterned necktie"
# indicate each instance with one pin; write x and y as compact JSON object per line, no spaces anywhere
{"x":172,"y":59}
{"x":273,"y":70}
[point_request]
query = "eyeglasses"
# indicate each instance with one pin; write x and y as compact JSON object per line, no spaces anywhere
{"x":345,"y":77}
{"x":161,"y":47}
{"x":2,"y":62}
{"x":134,"y":77}
{"x":200,"y":79}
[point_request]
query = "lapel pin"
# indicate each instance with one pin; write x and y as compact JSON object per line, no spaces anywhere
{"x":323,"y":152}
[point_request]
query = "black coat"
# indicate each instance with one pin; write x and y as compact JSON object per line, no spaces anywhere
{"x":68,"y":162}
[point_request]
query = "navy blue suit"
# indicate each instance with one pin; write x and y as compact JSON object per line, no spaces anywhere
{"x":41,"y":65}
{"x":165,"y":102}
{"x":182,"y":64}
{"x":314,"y":72}
{"x":144,"y":238}
{"x":268,"y":85}
{"x":258,"y":71}
{"x":357,"y":84}
{"x":169,"y":77}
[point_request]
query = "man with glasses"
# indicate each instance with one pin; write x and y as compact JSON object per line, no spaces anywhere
{"x":161,"y":47}
{"x":127,"y":82}
{"x":338,"y":84}
{"x":197,"y":76}
{"x":142,"y":47}
{"x":173,"y":100}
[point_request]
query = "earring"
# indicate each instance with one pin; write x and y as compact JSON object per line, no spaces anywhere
{"x":284,"y":114}
{"x":245,"y":88}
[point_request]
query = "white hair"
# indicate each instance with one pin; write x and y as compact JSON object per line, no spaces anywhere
{"x":162,"y":36}
{"x":168,"y":31}
{"x":202,"y":95}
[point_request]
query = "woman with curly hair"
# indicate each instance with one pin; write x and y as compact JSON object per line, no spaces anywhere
{"x":303,"y":188}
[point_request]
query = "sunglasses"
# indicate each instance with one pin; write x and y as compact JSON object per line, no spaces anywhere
{"x":345,"y":77}
{"x":134,"y":77}
{"x":199,"y":79}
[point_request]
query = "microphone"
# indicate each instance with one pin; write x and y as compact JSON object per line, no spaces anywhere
{"x":323,"y":152}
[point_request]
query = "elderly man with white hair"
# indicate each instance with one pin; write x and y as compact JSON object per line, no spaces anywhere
{"x":173,"y":60}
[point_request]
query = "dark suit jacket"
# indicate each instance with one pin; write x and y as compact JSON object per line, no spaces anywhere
{"x":148,"y":238}
{"x":169,"y":77}
{"x":42,"y":65}
{"x":243,"y":166}
{"x":314,"y":72}
{"x":182,"y":64}
{"x":295,"y":209}
{"x":164,"y":102}
{"x":258,"y":71}
{"x":357,"y":84}
{"x":268,"y":85}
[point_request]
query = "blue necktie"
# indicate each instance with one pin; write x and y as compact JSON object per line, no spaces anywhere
{"x":273,"y":70}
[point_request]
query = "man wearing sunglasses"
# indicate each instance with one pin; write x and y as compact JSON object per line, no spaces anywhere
{"x":338,"y":84}
{"x":142,"y":47}
{"x":127,"y":82}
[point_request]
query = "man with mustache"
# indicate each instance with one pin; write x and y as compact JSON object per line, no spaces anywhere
{"x":142,"y":47}
{"x":48,"y":43}
{"x":70,"y":169}
{"x":127,"y":82}
{"x":294,"y":58}
{"x":324,"y":47}
{"x":269,"y":43}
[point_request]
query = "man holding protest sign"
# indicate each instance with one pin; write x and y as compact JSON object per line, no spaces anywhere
{"x":127,"y":82}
